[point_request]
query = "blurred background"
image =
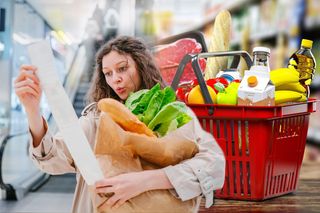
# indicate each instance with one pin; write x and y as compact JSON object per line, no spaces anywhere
{"x":77,"y":28}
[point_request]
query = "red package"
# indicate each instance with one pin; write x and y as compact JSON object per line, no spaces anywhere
{"x":169,"y":56}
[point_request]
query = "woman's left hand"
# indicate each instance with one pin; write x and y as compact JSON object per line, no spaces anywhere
{"x":126,"y":186}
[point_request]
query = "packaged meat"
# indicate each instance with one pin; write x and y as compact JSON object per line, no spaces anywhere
{"x":168,"y":57}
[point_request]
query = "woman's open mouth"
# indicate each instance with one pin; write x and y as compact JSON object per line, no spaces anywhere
{"x":120,"y":90}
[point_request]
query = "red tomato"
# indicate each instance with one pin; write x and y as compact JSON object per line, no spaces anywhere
{"x":183,"y":88}
{"x":180,"y":94}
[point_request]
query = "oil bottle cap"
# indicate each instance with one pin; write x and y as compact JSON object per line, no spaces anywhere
{"x":261,"y":49}
{"x":252,"y":81}
{"x":306,"y":43}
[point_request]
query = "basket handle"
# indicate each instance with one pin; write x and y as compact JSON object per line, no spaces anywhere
{"x":194,"y":58}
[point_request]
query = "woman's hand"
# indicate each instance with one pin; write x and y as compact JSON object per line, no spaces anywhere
{"x":126,"y":186}
{"x":27,"y":88}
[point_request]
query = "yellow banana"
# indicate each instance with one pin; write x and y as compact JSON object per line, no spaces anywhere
{"x":292,"y":67}
{"x":293,"y":62}
{"x":303,"y":98}
{"x":283,"y":96}
{"x":290,"y":70}
{"x":292,"y":86}
{"x":284,"y":76}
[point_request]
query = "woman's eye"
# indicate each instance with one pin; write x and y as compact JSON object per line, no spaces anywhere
{"x":108,"y":74}
{"x":122,"y":69}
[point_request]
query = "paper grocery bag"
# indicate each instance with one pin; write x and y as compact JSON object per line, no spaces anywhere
{"x":115,"y":157}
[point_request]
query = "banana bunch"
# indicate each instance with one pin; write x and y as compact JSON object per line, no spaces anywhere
{"x":288,"y":87}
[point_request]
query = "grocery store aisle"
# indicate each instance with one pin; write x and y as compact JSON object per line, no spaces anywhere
{"x":55,"y":196}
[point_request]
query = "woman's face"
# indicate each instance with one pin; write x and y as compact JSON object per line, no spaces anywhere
{"x":121,"y":74}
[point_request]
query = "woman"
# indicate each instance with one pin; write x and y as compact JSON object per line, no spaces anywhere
{"x":123,"y":65}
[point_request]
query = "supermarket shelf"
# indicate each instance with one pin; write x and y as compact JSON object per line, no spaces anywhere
{"x":260,"y":36}
{"x":230,"y":5}
{"x":311,"y":23}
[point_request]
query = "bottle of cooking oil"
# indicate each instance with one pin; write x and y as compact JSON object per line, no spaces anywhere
{"x":304,"y":62}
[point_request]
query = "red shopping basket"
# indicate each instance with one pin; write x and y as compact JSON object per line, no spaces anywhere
{"x":263,"y":146}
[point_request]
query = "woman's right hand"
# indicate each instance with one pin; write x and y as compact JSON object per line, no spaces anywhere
{"x":27,"y":88}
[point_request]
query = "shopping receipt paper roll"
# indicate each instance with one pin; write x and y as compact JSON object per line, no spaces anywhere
{"x":41,"y":56}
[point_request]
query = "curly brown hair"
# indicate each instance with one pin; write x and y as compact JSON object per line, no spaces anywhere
{"x":145,"y":65}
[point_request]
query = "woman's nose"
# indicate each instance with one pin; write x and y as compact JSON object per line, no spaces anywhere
{"x":117,"y":78}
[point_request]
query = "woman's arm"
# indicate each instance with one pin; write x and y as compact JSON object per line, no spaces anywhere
{"x":27,"y":88}
{"x":49,"y":153}
{"x":52,"y":155}
{"x":36,"y":126}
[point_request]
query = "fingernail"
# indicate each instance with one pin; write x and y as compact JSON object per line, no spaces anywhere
{"x":30,"y":80}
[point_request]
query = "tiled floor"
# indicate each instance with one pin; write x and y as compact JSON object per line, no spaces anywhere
{"x":53,"y":197}
{"x":37,"y":202}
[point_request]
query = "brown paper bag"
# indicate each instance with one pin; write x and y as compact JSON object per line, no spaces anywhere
{"x":117,"y":154}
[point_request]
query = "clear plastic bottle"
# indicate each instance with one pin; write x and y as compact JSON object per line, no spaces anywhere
{"x":261,"y":57}
{"x":305,"y":62}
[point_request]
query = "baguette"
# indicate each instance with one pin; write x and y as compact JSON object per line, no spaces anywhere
{"x":219,"y":41}
{"x":123,"y":116}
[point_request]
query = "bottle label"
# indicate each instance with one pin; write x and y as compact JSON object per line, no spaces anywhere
{"x":305,"y":67}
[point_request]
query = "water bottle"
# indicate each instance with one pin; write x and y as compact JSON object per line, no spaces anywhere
{"x":261,"y":57}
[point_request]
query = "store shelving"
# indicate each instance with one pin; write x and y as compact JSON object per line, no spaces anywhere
{"x":259,"y":36}
{"x":229,"y":5}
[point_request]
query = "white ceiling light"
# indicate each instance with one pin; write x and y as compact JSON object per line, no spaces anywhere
{"x":68,"y":16}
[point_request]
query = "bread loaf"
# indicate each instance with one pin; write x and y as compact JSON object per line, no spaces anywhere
{"x":219,"y":41}
{"x":123,"y":116}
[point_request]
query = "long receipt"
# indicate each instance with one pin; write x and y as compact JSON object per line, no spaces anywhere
{"x":41,"y":56}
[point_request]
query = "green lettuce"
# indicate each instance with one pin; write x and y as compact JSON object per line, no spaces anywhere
{"x":168,"y":113}
{"x":145,"y":99}
{"x":134,"y":99}
{"x":154,"y":106}
{"x":158,"y":109}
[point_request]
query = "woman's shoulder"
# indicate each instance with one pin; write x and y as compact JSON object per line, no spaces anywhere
{"x":90,"y":109}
